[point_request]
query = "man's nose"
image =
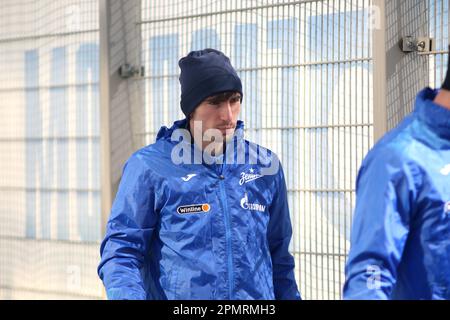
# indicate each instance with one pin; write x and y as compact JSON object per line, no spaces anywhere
{"x":226,"y":113}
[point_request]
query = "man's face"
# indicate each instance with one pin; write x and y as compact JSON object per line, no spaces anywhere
{"x":218,"y":112}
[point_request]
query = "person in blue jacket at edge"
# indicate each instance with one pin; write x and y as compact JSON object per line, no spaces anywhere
{"x":400,"y":239}
{"x":213,"y":229}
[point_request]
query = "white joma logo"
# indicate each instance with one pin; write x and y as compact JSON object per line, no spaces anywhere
{"x":188,"y":177}
{"x":445,"y":170}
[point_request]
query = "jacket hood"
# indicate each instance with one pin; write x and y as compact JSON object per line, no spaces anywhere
{"x":435,"y":116}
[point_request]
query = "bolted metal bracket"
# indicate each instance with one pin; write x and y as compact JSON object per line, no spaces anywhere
{"x":412,"y":44}
{"x":129,"y":71}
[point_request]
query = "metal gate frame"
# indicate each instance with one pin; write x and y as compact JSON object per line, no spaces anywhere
{"x":399,"y":76}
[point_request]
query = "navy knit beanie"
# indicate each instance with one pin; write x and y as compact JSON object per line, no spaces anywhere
{"x":205,"y":73}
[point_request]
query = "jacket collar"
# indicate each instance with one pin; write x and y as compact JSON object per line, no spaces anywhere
{"x":165,"y":132}
{"x":237,"y":143}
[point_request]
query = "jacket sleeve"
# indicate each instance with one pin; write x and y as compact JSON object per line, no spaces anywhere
{"x":128,"y":232}
{"x":385,"y":194}
{"x":279,"y":237}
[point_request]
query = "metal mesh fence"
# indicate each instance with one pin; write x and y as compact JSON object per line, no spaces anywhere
{"x":49,"y":149}
{"x":411,"y":72}
{"x":306,"y":69}
{"x":438,"y":30}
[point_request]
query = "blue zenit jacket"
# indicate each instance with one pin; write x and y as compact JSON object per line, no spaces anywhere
{"x":198,"y":231}
{"x":400,"y":240}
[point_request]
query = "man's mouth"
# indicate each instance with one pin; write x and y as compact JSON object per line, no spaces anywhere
{"x":226,"y":128}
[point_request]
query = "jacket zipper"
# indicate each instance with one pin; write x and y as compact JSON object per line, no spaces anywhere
{"x":228,"y":237}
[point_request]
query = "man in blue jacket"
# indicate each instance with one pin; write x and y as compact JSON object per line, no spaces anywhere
{"x":192,"y":224}
{"x":400,"y":241}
